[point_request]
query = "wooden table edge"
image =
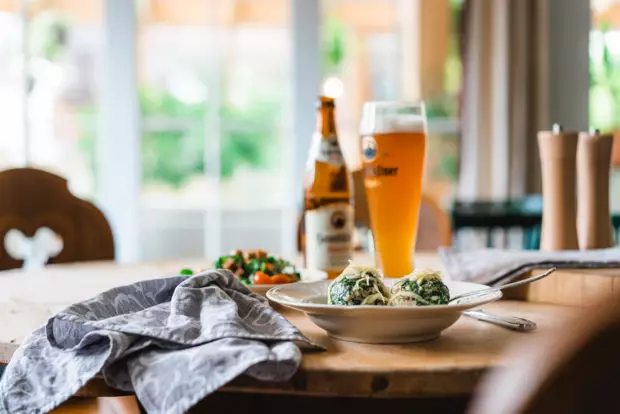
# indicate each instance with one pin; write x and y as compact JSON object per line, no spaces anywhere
{"x":457,"y":382}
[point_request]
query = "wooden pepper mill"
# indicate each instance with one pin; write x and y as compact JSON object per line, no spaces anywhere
{"x":593,"y":168}
{"x":558,"y":151}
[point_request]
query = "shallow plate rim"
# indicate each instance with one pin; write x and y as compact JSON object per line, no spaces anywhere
{"x":317,"y":307}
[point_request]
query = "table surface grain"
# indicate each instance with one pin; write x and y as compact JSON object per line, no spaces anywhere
{"x":448,"y":366}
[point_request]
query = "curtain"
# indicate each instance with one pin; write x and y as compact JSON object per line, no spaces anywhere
{"x":504,"y":97}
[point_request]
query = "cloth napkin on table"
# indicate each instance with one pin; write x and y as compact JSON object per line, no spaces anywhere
{"x":496,"y":267}
{"x":171,"y":341}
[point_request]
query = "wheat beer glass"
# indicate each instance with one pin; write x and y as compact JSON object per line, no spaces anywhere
{"x":393,"y":141}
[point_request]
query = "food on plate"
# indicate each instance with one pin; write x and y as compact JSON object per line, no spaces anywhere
{"x":420,"y":288}
{"x":358,"y":285}
{"x":256,"y":267}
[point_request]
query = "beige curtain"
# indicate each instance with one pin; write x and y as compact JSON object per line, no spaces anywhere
{"x":504,"y":97}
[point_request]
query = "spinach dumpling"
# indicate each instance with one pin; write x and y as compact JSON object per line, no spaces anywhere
{"x":358,"y":285}
{"x":420,"y":288}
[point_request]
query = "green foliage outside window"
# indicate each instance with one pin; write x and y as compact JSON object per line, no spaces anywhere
{"x":333,"y":46}
{"x":447,"y":105}
{"x":173,"y":150}
{"x":173,"y":138}
{"x":172,"y":156}
{"x":605,"y":86}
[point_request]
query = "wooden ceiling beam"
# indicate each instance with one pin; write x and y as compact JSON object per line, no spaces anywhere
{"x":425,"y":36}
{"x":200,"y":12}
{"x":364,"y":16}
{"x":610,"y":16}
{"x":373,"y":16}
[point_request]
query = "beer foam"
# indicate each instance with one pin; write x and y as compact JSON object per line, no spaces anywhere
{"x":386,"y":124}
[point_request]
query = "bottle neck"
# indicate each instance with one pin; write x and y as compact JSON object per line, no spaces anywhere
{"x":326,"y":122}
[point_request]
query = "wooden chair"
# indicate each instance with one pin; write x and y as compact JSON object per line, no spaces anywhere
{"x":575,"y":369}
{"x":31,"y":199}
{"x":434,"y":227}
{"x":524,"y":214}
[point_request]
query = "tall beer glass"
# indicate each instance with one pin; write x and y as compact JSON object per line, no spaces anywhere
{"x":393,"y":136}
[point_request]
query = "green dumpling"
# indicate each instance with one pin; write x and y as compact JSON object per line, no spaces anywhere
{"x":422,"y":287}
{"x":358,"y":285}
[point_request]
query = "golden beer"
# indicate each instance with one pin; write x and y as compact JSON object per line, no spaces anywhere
{"x":393,"y":154}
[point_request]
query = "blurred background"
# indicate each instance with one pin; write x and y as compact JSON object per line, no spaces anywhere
{"x":188,"y":121}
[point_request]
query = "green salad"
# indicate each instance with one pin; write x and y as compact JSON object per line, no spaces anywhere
{"x":256,"y":267}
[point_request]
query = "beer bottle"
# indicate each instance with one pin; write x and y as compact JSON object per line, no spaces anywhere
{"x":328,"y":202}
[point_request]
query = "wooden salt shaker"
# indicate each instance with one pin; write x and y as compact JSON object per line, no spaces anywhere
{"x":558,"y":152}
{"x":593,"y":169}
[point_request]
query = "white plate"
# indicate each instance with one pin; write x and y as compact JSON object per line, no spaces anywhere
{"x":377,"y":324}
{"x":307,"y":276}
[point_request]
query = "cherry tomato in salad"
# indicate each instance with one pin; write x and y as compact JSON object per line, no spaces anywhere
{"x":280,"y":278}
{"x":260,"y":278}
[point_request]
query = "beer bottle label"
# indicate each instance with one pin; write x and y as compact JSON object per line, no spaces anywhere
{"x":328,"y":150}
{"x":329,"y":236}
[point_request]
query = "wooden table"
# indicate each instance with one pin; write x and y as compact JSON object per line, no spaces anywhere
{"x":447,"y":367}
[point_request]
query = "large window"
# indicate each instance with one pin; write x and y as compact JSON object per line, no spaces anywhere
{"x":216,"y":92}
{"x":605,"y":77}
{"x":12,"y":88}
{"x":48,"y":65}
{"x":605,"y":66}
{"x":200,"y":137}
{"x":214,"y":85}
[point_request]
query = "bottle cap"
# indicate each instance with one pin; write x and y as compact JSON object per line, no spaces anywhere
{"x":325,"y":101}
{"x":557,"y":129}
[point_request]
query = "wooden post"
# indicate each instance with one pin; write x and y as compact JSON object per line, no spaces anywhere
{"x":425,"y":32}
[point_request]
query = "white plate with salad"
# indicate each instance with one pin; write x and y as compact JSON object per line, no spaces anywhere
{"x":261,"y":271}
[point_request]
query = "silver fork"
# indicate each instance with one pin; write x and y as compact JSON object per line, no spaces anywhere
{"x":511,"y":322}
{"x":488,"y":290}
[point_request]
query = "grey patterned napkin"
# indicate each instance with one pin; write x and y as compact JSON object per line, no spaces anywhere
{"x":497,"y":267}
{"x":171,"y":341}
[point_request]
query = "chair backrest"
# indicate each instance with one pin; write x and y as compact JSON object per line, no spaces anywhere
{"x":488,"y":217}
{"x":572,"y":369}
{"x":434,"y":226}
{"x":32,"y":199}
